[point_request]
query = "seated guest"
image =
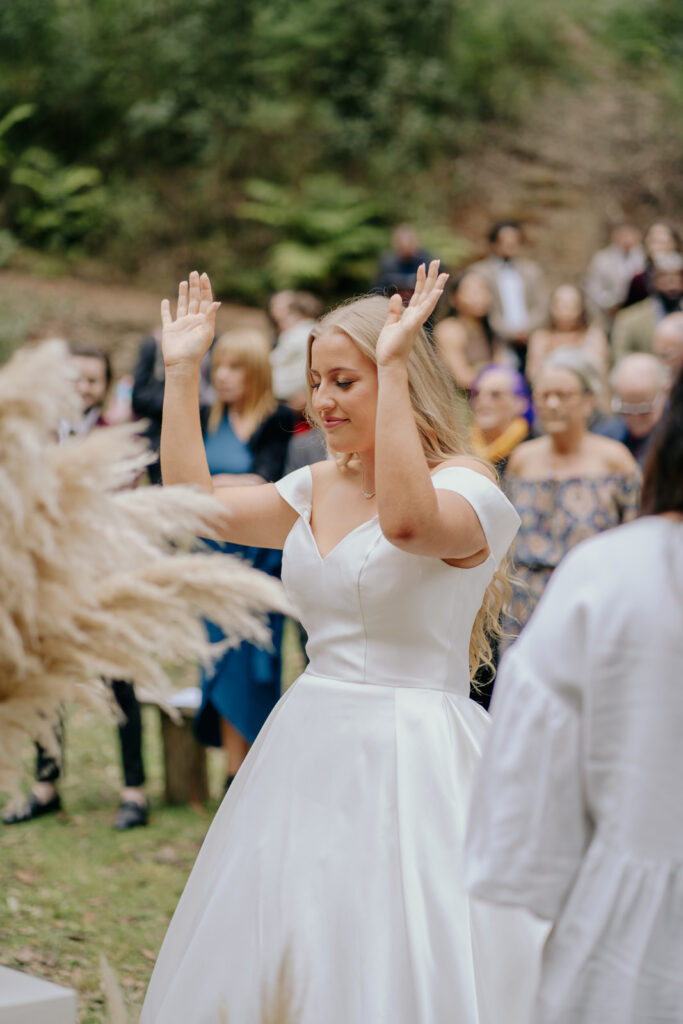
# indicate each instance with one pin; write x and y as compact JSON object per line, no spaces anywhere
{"x":518,"y":289}
{"x":397,"y":269}
{"x":569,"y":326}
{"x":568,"y":484}
{"x":611,"y":270}
{"x":500,"y":403}
{"x":465,"y":337}
{"x":634,"y":328}
{"x":668,"y":342}
{"x":640,"y":384}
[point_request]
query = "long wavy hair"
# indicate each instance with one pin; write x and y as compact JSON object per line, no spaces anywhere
{"x":247,"y":348}
{"x":442,"y":417}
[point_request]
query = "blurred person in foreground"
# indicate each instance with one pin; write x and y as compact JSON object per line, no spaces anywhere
{"x":246,"y":435}
{"x":567,"y":484}
{"x":93,"y":378}
{"x":577,"y":806}
{"x":634,"y":328}
{"x":518,"y":288}
{"x":640,"y":384}
{"x":397,"y":270}
{"x":568,"y":326}
{"x":611,"y":270}
{"x":464,"y":336}
{"x":668,"y":342}
{"x":500,"y":403}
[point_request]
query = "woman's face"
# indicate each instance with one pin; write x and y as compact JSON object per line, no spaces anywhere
{"x":566,"y":307}
{"x":659,"y":238}
{"x":561,"y":401}
{"x":494,"y":402}
{"x":344,"y":392}
{"x":473,"y":297}
{"x":229,"y":378}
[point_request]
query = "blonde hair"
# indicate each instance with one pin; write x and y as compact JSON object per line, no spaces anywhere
{"x":442,"y":417}
{"x":247,"y":348}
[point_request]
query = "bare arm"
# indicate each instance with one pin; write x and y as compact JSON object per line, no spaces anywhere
{"x":414,"y":515}
{"x":255,"y":516}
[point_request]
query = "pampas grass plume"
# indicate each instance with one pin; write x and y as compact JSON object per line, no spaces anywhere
{"x":98,"y":580}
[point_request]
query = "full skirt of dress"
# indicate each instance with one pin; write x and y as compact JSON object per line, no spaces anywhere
{"x":333,"y":872}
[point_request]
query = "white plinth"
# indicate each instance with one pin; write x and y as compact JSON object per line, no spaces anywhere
{"x":27,"y":1000}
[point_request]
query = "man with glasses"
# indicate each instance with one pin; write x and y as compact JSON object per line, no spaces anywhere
{"x":640,"y":385}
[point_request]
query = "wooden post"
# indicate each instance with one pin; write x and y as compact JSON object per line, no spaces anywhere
{"x":184,"y":761}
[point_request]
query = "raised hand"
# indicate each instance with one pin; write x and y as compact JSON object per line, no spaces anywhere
{"x":402,"y":326}
{"x":185,"y":340}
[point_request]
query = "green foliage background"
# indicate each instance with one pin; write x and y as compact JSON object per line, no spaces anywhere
{"x":279,"y":127}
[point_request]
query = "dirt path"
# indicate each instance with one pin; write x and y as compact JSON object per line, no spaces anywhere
{"x":115,"y":317}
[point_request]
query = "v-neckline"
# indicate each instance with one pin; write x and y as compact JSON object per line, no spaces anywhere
{"x":307,"y":521}
{"x":323,"y":558}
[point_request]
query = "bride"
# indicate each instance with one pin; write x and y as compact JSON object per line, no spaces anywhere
{"x":332,"y":871}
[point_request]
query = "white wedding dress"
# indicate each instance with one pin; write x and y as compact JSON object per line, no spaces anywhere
{"x":336,"y":856}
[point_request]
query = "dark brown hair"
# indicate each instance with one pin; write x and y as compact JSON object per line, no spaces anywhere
{"x":663,"y":481}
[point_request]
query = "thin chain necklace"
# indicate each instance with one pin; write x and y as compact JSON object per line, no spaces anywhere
{"x":365,"y":493}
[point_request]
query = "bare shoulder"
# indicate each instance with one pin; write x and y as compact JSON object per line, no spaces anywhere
{"x":525,"y":454}
{"x":469,"y":462}
{"x":615,"y":455}
{"x":325,"y":473}
{"x":450,"y":332}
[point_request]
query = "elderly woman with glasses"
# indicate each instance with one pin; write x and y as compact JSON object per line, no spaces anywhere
{"x":568,"y":484}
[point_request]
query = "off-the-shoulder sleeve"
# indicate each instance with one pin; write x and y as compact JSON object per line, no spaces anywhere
{"x":529,"y":822}
{"x":498,"y":517}
{"x":297,"y":490}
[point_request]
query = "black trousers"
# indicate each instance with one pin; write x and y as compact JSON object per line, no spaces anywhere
{"x":49,"y":769}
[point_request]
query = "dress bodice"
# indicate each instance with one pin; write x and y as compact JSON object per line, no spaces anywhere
{"x":376,"y":614}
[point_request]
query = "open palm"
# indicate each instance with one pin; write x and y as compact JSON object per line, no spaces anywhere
{"x":402,"y":326}
{"x":186,"y":339}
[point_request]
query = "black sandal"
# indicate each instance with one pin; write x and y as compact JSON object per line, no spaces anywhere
{"x":33,"y":808}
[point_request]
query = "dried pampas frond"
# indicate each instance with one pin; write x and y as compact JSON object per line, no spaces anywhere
{"x":96,"y":580}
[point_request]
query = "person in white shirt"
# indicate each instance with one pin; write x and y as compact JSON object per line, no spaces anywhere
{"x":577,"y":806}
{"x":518,"y":288}
{"x":612,"y":269}
{"x":294,"y":315}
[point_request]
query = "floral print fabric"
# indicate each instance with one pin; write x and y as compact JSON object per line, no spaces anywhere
{"x":556,"y":515}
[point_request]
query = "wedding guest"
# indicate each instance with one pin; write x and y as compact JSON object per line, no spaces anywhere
{"x":397,"y":269}
{"x":667,"y":342}
{"x":659,"y":238}
{"x":569,"y":325}
{"x":465,"y":337}
{"x":577,"y":806}
{"x":294,"y":314}
{"x":567,"y":484}
{"x":634,"y":328}
{"x":611,"y":270}
{"x":518,"y":288}
{"x":500,"y":403}
{"x":640,"y":384}
{"x":246,"y":436}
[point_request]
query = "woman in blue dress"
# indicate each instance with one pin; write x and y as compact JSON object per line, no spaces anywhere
{"x":246,"y":434}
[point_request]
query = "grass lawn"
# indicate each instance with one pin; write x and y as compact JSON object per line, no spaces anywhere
{"x":72,"y":888}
